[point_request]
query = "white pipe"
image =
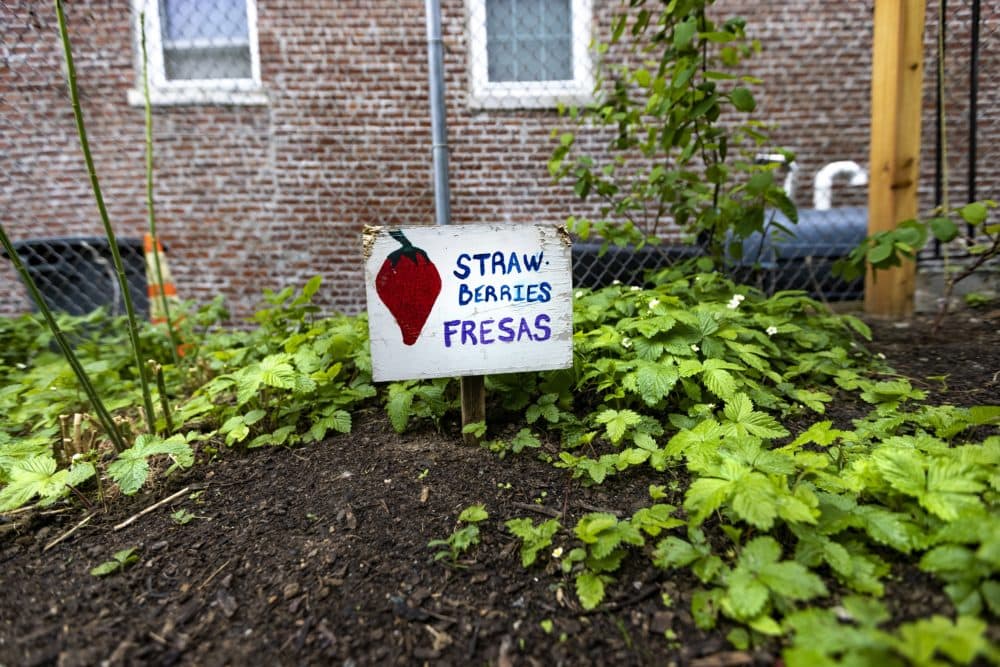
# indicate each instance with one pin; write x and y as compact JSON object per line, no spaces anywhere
{"x":793,"y":168}
{"x":789,"y":184}
{"x":823,"y":182}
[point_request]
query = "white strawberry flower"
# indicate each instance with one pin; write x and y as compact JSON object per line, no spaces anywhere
{"x":626,"y":342}
{"x":653,"y":303}
{"x":557,"y":552}
{"x":735,"y":302}
{"x":694,"y":347}
{"x":771,"y":330}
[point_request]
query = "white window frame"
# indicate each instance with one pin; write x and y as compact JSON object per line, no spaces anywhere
{"x":486,"y":94}
{"x":163,"y":92}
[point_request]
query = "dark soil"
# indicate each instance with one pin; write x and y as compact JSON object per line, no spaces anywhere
{"x":319,"y":555}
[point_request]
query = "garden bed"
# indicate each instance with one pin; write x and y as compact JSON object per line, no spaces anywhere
{"x":318,"y":555}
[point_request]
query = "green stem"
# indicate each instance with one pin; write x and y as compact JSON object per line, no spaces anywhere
{"x":95,"y":401}
{"x":174,"y":343}
{"x":161,"y":387}
{"x":133,"y":328}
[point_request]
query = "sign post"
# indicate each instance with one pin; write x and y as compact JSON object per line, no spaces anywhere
{"x":468,"y":301}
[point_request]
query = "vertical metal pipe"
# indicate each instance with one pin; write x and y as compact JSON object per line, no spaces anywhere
{"x":439,"y":128}
{"x":973,"y":98}
{"x":939,"y":105}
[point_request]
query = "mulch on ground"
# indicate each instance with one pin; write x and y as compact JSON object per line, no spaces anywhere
{"x":319,"y":555}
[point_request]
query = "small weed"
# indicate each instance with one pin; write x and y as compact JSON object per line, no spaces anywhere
{"x":182,"y":517}
{"x":119,"y":561}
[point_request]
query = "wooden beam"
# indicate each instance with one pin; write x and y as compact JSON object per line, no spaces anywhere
{"x":473,"y":404}
{"x":896,"y":98}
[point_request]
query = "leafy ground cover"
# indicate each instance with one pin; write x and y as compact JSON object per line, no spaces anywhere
{"x":722,"y":479}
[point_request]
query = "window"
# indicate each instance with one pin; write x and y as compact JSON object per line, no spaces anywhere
{"x":529,"y":53}
{"x":200,"y":51}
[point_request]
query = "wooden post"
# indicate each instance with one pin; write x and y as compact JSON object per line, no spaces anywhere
{"x":897,"y":86}
{"x":473,"y":404}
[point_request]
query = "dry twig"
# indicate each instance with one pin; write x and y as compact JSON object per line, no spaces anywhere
{"x":152,"y":507}
{"x":69,"y":532}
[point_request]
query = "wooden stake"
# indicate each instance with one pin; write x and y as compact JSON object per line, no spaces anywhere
{"x":897,"y":86}
{"x":473,"y":405}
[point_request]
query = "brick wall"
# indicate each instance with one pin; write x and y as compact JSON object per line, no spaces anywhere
{"x":250,"y":197}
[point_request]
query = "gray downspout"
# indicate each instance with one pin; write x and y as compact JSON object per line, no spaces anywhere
{"x":439,"y":128}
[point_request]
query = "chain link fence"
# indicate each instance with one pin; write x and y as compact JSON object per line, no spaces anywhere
{"x":281,"y":130}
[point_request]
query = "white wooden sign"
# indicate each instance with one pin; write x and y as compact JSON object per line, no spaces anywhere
{"x":468,"y":300}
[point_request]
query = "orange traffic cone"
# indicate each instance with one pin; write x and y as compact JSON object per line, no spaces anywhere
{"x":158,"y":293}
{"x":162,"y":297}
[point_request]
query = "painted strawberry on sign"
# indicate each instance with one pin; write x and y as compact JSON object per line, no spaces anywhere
{"x":408,"y":284}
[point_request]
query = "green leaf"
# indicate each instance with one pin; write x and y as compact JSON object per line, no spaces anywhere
{"x":251,"y":418}
{"x":655,"y":380}
{"x":655,"y":519}
{"x":477,"y":429}
{"x":130,"y":473}
{"x":745,"y":420}
{"x":754,"y":500}
{"x":759,"y":552}
{"x":887,"y":527}
{"x":119,"y":561}
{"x":747,"y":595}
{"x":590,"y":589}
{"x":340,"y":421}
{"x":131,"y":468}
{"x":705,"y":607}
{"x":820,"y":433}
{"x":464,"y":538}
{"x":684,"y":33}
{"x":474,"y":514}
{"x":533,"y":538}
{"x":743,"y":99}
{"x":673,"y":553}
{"x":590,"y":526}
{"x":879,"y":253}
{"x":718,"y":380}
{"x":984,"y":414}
{"x":399,"y":406}
{"x":951,"y":489}
{"x":617,"y":422}
{"x":792,"y":580}
{"x":275,"y":371}
{"x":948,"y":558}
{"x":974,"y":213}
{"x":944,"y":230}
{"x":30,"y":477}
{"x":705,"y":495}
{"x":902,"y":469}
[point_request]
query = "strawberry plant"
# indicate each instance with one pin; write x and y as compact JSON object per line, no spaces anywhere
{"x":37,"y":475}
{"x":534,"y":539}
{"x":131,"y":468}
{"x":293,"y":379}
{"x":464,"y":537}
